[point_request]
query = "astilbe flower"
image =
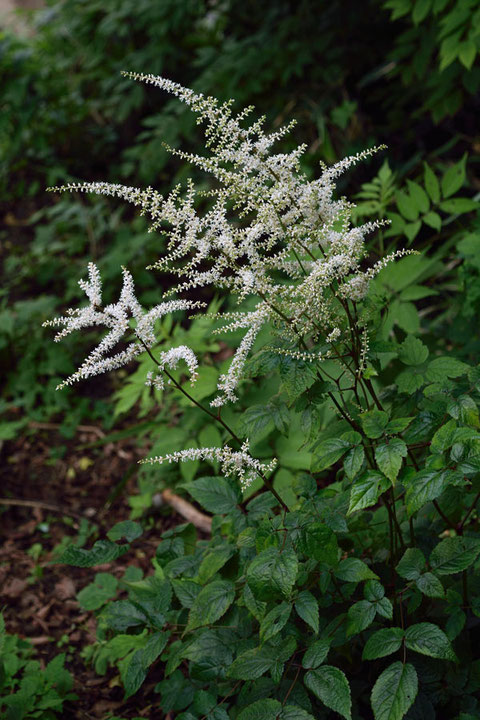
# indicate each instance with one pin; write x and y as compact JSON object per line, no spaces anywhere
{"x":268,"y":233}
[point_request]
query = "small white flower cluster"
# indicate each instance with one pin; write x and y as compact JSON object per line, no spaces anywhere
{"x":268,"y":235}
{"x":116,"y":317}
{"x":171,"y":358}
{"x":238,"y":464}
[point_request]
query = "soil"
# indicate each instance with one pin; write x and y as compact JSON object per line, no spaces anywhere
{"x":38,"y":598}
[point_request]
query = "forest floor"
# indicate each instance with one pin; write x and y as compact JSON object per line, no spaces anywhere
{"x":68,"y":496}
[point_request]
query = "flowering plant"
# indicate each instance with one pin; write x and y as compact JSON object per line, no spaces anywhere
{"x":298,"y":574}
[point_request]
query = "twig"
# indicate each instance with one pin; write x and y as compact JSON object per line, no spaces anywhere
{"x":186,"y":510}
{"x":42,"y":506}
{"x":56,"y":426}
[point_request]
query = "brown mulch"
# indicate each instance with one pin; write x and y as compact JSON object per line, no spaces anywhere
{"x":37,"y":597}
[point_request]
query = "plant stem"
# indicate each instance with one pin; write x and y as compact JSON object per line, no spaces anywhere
{"x":222,"y":422}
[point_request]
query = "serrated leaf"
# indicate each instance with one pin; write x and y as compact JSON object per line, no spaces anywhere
{"x":430,"y":585}
{"x":306,"y":606}
{"x":253,"y":663}
{"x":272,"y":573}
{"x":274,"y":621}
{"x":366,"y":490}
{"x":266,"y":708}
{"x":382,"y":643}
{"x":215,"y":494}
{"x":213,"y":561}
{"x":412,"y":351}
{"x":294,"y":712}
{"x":412,"y":564}
{"x":374,"y":423}
{"x":126,"y":529}
{"x":428,"y":485}
{"x":384,"y":608}
{"x":389,"y":457}
{"x":124,"y":614}
{"x":398,"y":425}
{"x":140,"y":662}
{"x":354,"y":570}
{"x":467,"y":53}
{"x":210,"y":604}
{"x":360,"y":615}
{"x":446,"y":367}
{"x":103,"y":551}
{"x":444,"y":437}
{"x":256,"y":607}
{"x":454,"y":555}
{"x":103,"y":588}
{"x":428,"y":639}
{"x":316,"y":653}
{"x":186,"y":591}
{"x":328,"y":453}
{"x":353,"y":461}
{"x":331,"y":686}
{"x":394,"y":692}
{"x":319,"y":542}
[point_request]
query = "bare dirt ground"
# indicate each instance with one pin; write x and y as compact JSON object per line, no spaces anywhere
{"x":10,"y":18}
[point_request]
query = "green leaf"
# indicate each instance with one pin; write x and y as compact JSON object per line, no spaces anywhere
{"x":412,"y":564}
{"x":413,"y":351}
{"x":126,"y":529}
{"x":257,"y":418}
{"x":139,"y":664}
{"x":467,"y":53}
{"x":384,"y":608}
{"x":210,"y":604}
{"x":256,"y":607}
{"x":214,"y":560}
{"x":294,"y":712}
{"x":444,"y":437}
{"x":382,"y":643}
{"x":430,"y":585}
{"x":99,"y":592}
{"x":306,"y":606}
{"x":407,"y":206}
{"x":319,"y":542}
{"x":431,"y":183}
{"x":267,"y":709}
{"x":353,"y":461}
{"x":354,"y":570}
{"x":398,"y":425}
{"x":457,"y":206}
{"x":389,"y":457}
{"x":409,"y":381}
{"x":411,"y":231}
{"x":427,"y":485}
{"x":186,"y":591}
{"x":374,"y":423}
{"x":272,"y":573}
{"x":215,"y":494}
{"x":454,"y":555}
{"x":419,"y":196}
{"x":274,"y":621}
{"x":394,"y":692}
{"x":328,"y":453}
{"x":331,"y":686}
{"x":316,"y":653}
{"x":428,"y":639}
{"x":103,"y":551}
{"x":124,"y":614}
{"x":454,"y":178}
{"x":366,"y":490}
{"x":433,"y":220}
{"x":253,"y":663}
{"x":296,"y":375}
{"x":360,"y":615}
{"x":421,"y":10}
{"x":446,"y":367}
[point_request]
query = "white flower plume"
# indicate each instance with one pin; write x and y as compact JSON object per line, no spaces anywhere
{"x":116,"y":318}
